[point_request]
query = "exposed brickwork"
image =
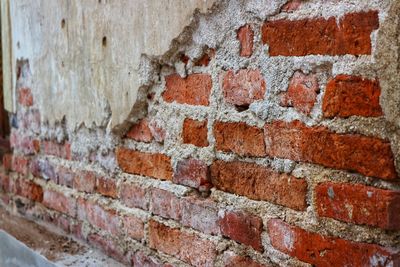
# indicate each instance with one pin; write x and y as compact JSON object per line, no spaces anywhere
{"x":192,"y":90}
{"x":24,"y":188}
{"x":351,"y":96}
{"x":259,"y":183}
{"x":193,"y":173}
{"x":324,"y":251}
{"x":366,"y":155}
{"x":60,"y":202}
{"x":246,"y":36}
{"x":350,"y":35}
{"x":240,"y":261}
{"x":106,"y":187}
{"x":25,"y":97}
{"x":243,"y":87}
{"x":133,"y":196}
{"x":359,"y":204}
{"x":165,"y":204}
{"x":242,"y":227}
{"x":187,"y":247}
{"x":55,"y":149}
{"x":134,"y":227}
{"x":239,"y":138}
{"x":302,"y":92}
{"x":195,"y":132}
{"x":147,"y":164}
{"x":140,"y":132}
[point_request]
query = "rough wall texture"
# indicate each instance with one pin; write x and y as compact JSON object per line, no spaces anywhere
{"x":276,"y":146}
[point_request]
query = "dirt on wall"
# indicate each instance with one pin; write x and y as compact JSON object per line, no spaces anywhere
{"x":263,"y":140}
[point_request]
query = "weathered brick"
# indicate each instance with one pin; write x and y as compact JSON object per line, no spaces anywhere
{"x":85,"y":181}
{"x":294,"y":140}
{"x":359,"y":204}
{"x":242,"y":227}
{"x":200,"y":214}
{"x":165,"y":204}
{"x":347,"y":95}
{"x":133,"y":196}
{"x":4,"y":182}
{"x":194,"y":173}
{"x":20,"y":164}
{"x":291,"y":6}
{"x":244,"y":87}
{"x":99,"y":216}
{"x":245,"y":36}
{"x":65,"y":176}
{"x":302,"y":92}
{"x":56,"y":149}
{"x":109,"y":247}
{"x":60,"y":202}
{"x":7,"y":161}
{"x":157,"y":130}
{"x":140,"y":132}
{"x":142,"y":259}
{"x":350,"y":35}
{"x":259,"y":183}
{"x":133,"y":226}
{"x":328,"y":251}
{"x":25,"y":97}
{"x":147,"y":164}
{"x":25,"y":144}
{"x":195,"y":132}
{"x":187,"y":247}
{"x":45,"y":169}
{"x":233,"y":260}
{"x":195,"y":89}
{"x":239,"y":138}
{"x":206,"y":58}
{"x":27,"y":189}
{"x":106,"y":186}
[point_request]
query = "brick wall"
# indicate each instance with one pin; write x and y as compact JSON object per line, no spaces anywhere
{"x":265,"y":153}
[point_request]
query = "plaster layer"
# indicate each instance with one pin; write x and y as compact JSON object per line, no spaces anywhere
{"x":85,"y":55}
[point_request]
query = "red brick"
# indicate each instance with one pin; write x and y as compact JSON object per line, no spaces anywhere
{"x":25,"y":97}
{"x":165,"y":204}
{"x":20,"y":164}
{"x":27,"y":189}
{"x":194,"y":173}
{"x":302,"y":92}
{"x":140,"y":132}
{"x":157,"y":130}
{"x":45,"y":169}
{"x":239,"y":138}
{"x":195,"y":132}
{"x":65,"y":176}
{"x":327,"y":251}
{"x":259,"y":183}
{"x":244,"y":87}
{"x":7,"y":162}
{"x":146,"y":164}
{"x":4,"y":182}
{"x":57,"y":150}
{"x":351,"y":95}
{"x":359,"y":204}
{"x":200,"y":214}
{"x":99,"y":216}
{"x":366,"y":155}
{"x":85,"y":181}
{"x":243,"y":228}
{"x":195,"y":89}
{"x":133,"y":226}
{"x":185,"y":246}
{"x":107,"y":187}
{"x":206,"y":58}
{"x":141,"y":259}
{"x":245,"y":36}
{"x":60,"y":202}
{"x":232,"y":260}
{"x":29,"y":120}
{"x":133,"y":196}
{"x":291,"y":6}
{"x":25,"y":144}
{"x":109,"y":247}
{"x":350,"y":35}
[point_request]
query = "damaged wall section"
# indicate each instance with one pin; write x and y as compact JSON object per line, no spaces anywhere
{"x":269,"y":138}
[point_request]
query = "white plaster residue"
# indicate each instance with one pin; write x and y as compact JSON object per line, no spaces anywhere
{"x":85,"y":55}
